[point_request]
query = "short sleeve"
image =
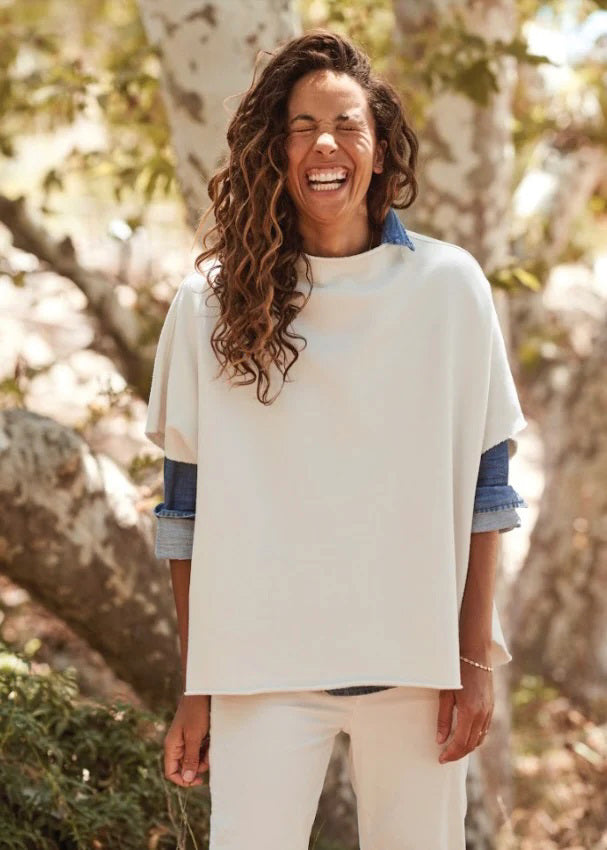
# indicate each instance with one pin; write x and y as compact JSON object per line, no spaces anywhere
{"x":172,"y":417}
{"x":503,"y":417}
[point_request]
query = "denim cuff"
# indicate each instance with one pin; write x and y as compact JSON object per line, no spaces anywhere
{"x":174,"y":533}
{"x":497,"y":497}
{"x":495,"y":520}
{"x":161,"y":512}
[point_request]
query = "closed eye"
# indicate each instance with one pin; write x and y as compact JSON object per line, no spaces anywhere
{"x":309,"y":129}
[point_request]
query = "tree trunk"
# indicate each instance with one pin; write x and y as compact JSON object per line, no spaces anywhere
{"x":466,"y":155}
{"x":208,"y":51}
{"x":559,"y":614}
{"x":465,"y":179}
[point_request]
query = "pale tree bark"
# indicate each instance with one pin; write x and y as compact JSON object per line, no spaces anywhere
{"x":542,"y":228}
{"x":559,"y":614}
{"x":562,"y":171}
{"x":73,"y":534}
{"x":465,"y":177}
{"x":208,"y":51}
{"x":466,"y":155}
{"x":559,"y":605}
{"x":541,"y":231}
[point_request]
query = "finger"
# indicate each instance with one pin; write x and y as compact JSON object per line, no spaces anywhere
{"x":173,"y":752}
{"x":178,"y":779}
{"x":191,"y":758}
{"x":446,"y":701}
{"x":456,"y":748}
{"x":475,"y":737}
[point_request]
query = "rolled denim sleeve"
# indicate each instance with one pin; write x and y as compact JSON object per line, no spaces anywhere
{"x":495,"y":500}
{"x":176,"y":514}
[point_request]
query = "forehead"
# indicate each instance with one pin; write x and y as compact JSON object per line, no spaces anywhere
{"x":324,"y":93}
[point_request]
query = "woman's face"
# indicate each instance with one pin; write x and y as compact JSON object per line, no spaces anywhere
{"x":331,"y":137}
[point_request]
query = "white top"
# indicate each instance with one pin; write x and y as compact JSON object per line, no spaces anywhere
{"x":324,"y":555}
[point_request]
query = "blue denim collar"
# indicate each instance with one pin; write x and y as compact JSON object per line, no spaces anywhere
{"x":394,"y":231}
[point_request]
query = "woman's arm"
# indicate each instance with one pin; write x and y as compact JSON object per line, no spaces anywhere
{"x":494,"y":503}
{"x":186,"y":745}
{"x":180,"y":579}
{"x":477,"y":602}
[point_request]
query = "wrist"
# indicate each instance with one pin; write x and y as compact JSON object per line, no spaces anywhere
{"x":192,"y":697}
{"x":480,"y":652}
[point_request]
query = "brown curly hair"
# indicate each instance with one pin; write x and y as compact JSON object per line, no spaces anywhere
{"x":256,"y":240}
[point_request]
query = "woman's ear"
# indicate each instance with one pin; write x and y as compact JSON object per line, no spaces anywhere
{"x":380,"y":152}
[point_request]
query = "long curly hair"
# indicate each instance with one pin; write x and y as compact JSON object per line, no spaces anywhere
{"x":255,"y":240}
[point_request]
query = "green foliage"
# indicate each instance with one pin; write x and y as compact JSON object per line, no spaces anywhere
{"x":77,"y":775}
{"x":142,"y":464}
{"x":515,"y":277}
{"x":12,"y":393}
{"x":532,"y":688}
{"x":462,"y":61}
{"x":103,"y":69}
{"x":109,"y":400}
{"x":14,"y":388}
{"x":445,"y":56}
{"x":369,"y":22}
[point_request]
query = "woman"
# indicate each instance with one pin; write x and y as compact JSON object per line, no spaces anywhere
{"x":341,"y":575}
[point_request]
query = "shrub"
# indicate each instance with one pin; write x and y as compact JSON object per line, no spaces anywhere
{"x":80,"y":775}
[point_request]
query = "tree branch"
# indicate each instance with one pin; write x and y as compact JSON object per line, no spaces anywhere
{"x":120,"y":324}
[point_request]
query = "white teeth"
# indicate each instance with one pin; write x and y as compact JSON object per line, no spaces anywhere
{"x":326,"y":176}
{"x":324,"y":187}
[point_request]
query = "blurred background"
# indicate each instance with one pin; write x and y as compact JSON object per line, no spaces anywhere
{"x":113,"y":118}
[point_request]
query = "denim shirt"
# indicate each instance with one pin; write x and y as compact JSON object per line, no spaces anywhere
{"x":494,"y":503}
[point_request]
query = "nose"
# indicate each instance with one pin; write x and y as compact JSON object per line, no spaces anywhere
{"x":325,"y":141}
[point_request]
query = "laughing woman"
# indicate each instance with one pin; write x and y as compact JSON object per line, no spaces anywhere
{"x":336,"y":409}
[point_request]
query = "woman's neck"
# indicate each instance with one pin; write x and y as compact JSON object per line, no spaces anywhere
{"x":339,"y":243}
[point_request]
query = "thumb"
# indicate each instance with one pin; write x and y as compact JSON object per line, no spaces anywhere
{"x":190,"y":761}
{"x":446,"y":701}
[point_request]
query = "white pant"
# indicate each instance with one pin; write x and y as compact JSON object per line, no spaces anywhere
{"x":269,"y":754}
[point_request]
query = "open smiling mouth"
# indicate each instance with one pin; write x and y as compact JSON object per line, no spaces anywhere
{"x":326,"y":185}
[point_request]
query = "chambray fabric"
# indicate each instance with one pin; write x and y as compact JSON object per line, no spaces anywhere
{"x":494,"y":504}
{"x":393,"y":231}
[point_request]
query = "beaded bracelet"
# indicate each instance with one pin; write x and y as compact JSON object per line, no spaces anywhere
{"x":476,"y":664}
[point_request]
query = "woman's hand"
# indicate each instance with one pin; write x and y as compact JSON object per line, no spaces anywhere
{"x":475,"y":702}
{"x":186,"y":751}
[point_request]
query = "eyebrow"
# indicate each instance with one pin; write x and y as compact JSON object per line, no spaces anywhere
{"x":343,"y":116}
